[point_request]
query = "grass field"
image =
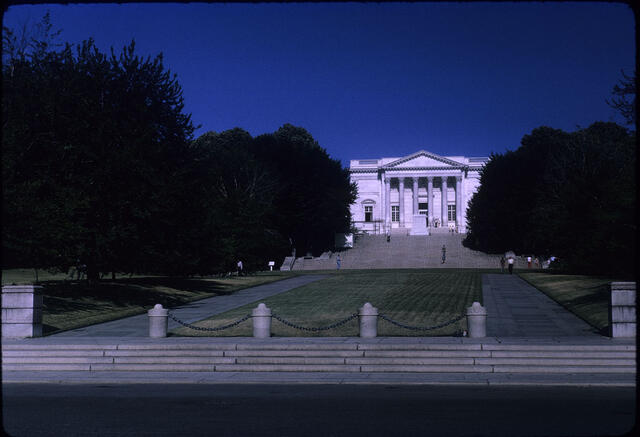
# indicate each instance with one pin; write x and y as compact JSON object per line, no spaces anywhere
{"x":413,"y":297}
{"x":74,"y":304}
{"x":585,"y":296}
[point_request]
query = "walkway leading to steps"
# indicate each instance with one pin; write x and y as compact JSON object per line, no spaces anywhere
{"x":138,"y":326}
{"x":517,"y":309}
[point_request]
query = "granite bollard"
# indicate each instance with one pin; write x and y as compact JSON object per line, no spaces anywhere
{"x":622,"y":309}
{"x":261,"y":316}
{"x":477,"y":320}
{"x":158,"y":321}
{"x":21,"y":311}
{"x":368,"y":321}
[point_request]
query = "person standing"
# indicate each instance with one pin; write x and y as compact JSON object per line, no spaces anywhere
{"x":510,"y":265}
{"x":502,"y":262}
{"x":529,"y":262}
{"x":444,"y":253}
{"x":338,"y":262}
{"x":240,"y":268}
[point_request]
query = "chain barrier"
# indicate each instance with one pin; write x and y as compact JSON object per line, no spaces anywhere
{"x":314,"y":329}
{"x":219,"y":328}
{"x":324,"y":328}
{"x":420,"y":328}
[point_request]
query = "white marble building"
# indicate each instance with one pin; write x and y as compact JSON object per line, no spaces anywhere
{"x":407,"y":193}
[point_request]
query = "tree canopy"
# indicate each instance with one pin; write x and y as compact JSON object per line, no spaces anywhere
{"x":570,"y":195}
{"x":100,"y":168}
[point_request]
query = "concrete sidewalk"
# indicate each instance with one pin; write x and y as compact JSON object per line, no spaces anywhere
{"x":517,"y":309}
{"x":138,"y":326}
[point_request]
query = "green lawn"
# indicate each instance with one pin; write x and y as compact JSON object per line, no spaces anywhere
{"x":28,"y":276}
{"x":413,"y":297}
{"x":74,"y":304}
{"x":585,"y":296}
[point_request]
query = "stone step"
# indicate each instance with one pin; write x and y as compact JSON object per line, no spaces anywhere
{"x":364,"y":352}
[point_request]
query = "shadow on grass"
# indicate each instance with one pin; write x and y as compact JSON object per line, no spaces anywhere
{"x":62,"y":297}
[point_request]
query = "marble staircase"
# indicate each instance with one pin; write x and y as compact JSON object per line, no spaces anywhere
{"x":405,"y":251}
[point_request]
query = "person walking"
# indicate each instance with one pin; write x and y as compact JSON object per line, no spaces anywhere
{"x":338,"y":262}
{"x":444,"y":254}
{"x":502,"y":262}
{"x":511,"y":265}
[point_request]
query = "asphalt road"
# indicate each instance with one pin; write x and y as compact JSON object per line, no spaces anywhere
{"x":314,"y":410}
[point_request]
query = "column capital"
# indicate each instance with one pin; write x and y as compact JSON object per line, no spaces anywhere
{"x":429,"y":178}
{"x":459,"y":178}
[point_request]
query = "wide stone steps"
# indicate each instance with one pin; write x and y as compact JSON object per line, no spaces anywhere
{"x":274,"y":356}
{"x":406,"y":251}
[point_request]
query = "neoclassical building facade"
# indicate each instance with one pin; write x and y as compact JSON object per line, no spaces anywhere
{"x":418,"y":193}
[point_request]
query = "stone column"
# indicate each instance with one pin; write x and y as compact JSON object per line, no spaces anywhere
{"x":477,"y":320}
{"x":459,"y":224}
{"x":444,"y":202}
{"x":387,"y":203}
{"x":158,"y":321}
{"x":430,"y":200}
{"x":415,"y":195}
{"x":368,"y":321}
{"x":261,"y":321}
{"x":401,"y":202}
{"x":21,"y":311}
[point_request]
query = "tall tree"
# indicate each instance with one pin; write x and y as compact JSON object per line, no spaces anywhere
{"x":94,"y":142}
{"x":571,"y":195}
{"x":313,"y":191}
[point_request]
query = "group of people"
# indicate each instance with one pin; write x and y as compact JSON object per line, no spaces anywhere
{"x":508,"y":261}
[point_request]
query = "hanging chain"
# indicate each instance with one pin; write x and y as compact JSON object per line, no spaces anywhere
{"x":219,"y":328}
{"x":420,"y":328}
{"x":324,"y":328}
{"x":317,"y":329}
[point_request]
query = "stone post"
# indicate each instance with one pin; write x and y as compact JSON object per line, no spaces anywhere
{"x":430,"y":200}
{"x":21,"y":311}
{"x":261,"y":321}
{"x":368,"y":321}
{"x":622,"y":310}
{"x":444,"y":202}
{"x":158,"y":321}
{"x":477,"y":320}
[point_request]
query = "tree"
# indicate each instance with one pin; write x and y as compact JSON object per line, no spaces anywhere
{"x":624,"y":97}
{"x":237,"y":191}
{"x":571,"y":195}
{"x":92,"y":146}
{"x":312,"y":191}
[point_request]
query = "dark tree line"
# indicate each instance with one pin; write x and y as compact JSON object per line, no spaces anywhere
{"x":570,"y":195}
{"x":100,"y":167}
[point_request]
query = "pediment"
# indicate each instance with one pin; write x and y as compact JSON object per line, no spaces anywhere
{"x":423,"y":159}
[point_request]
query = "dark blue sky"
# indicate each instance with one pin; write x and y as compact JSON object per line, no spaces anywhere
{"x":372,"y":80}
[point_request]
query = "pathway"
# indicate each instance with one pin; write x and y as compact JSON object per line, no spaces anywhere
{"x":517,"y":309}
{"x":138,"y":326}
